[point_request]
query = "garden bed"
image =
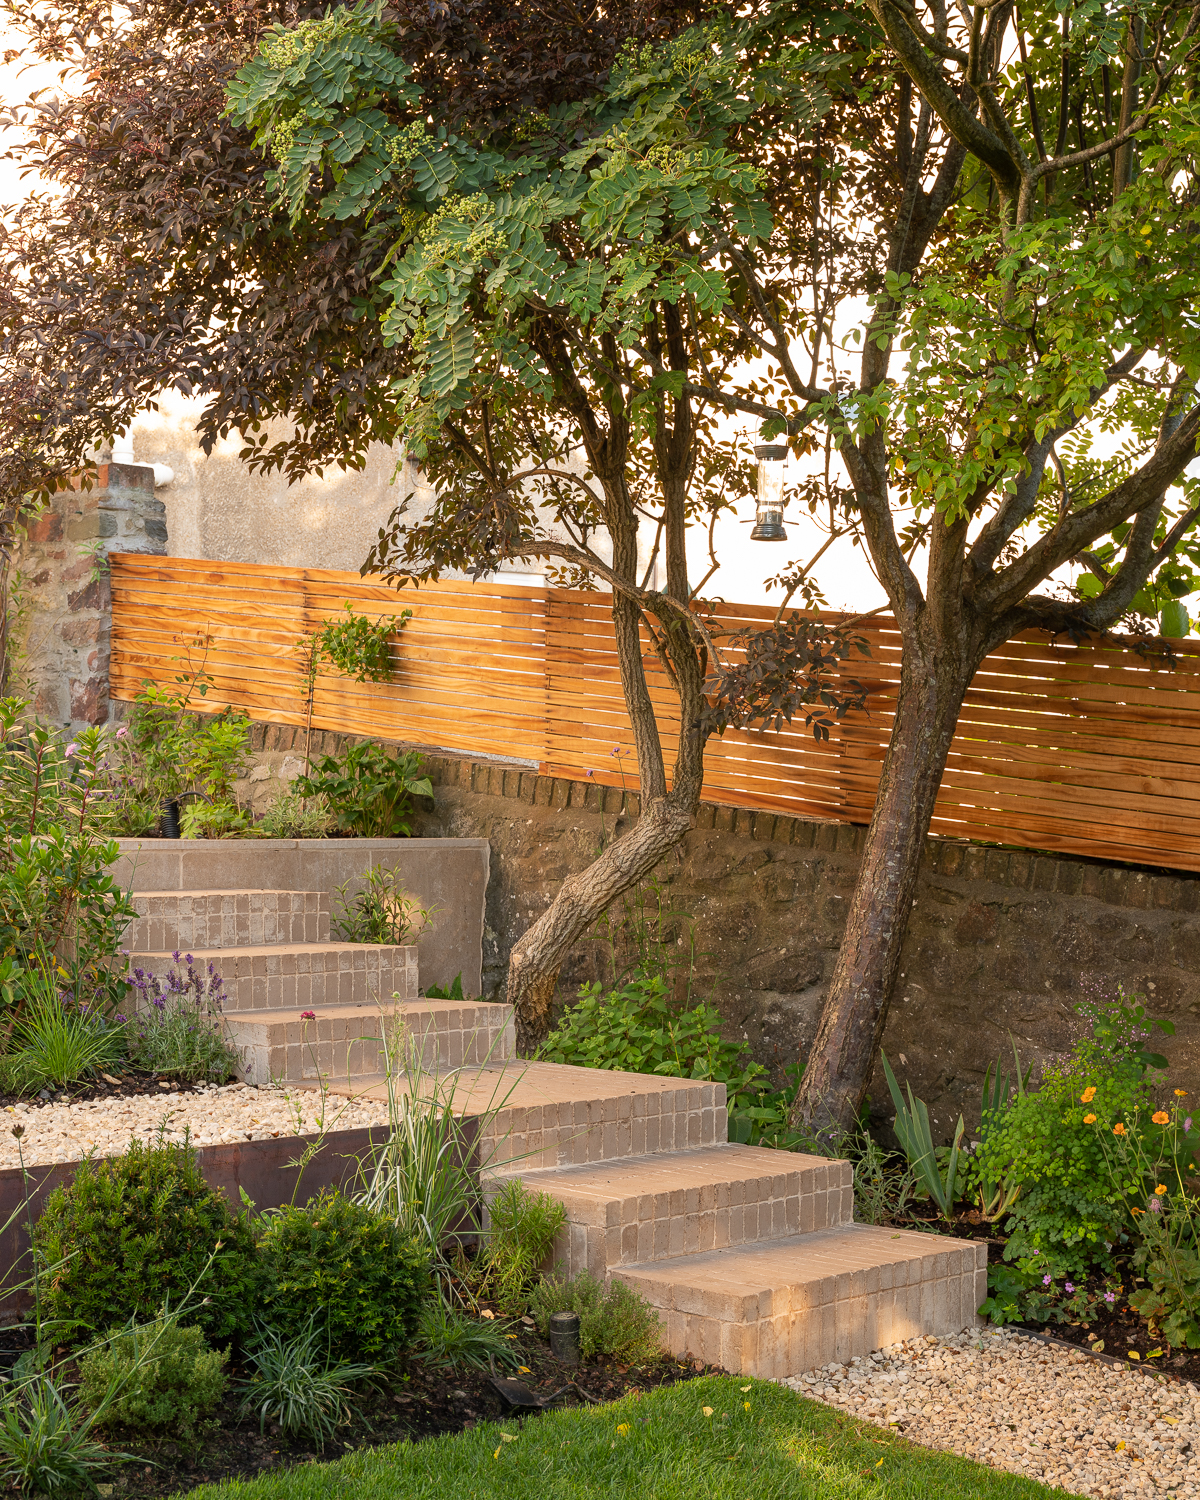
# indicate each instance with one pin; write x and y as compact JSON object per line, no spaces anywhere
{"x":415,"y":1400}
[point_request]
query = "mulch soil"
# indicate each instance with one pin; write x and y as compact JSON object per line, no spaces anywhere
{"x":415,"y":1400}
{"x":124,"y":1085}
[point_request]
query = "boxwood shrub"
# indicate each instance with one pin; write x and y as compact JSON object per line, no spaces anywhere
{"x":354,"y":1270}
{"x":129,"y":1234}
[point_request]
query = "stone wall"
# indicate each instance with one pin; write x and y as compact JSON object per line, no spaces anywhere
{"x":67,"y":624}
{"x":1000,"y":940}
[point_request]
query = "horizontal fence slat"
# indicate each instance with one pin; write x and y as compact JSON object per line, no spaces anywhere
{"x":1082,"y":747}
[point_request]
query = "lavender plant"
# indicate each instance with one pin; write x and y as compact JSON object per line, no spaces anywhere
{"x":178,"y":1027}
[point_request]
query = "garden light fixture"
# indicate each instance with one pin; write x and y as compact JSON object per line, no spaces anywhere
{"x":768,"y":522}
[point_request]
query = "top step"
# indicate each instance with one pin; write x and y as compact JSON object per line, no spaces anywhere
{"x":186,"y":920}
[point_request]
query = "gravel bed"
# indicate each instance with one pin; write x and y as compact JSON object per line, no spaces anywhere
{"x":1015,"y":1403}
{"x":217,"y":1115}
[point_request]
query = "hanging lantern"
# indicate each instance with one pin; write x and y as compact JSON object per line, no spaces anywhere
{"x":768,"y":516}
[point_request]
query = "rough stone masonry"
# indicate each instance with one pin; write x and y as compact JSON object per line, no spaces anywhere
{"x":1001,"y":940}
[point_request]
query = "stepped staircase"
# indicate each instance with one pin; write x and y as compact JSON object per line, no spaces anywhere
{"x":751,"y":1256}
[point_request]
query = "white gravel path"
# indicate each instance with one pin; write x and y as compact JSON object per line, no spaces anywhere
{"x":55,"y":1132}
{"x":1015,"y":1403}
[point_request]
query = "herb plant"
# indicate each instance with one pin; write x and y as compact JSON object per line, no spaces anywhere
{"x":373,"y":794}
{"x":166,"y":1378}
{"x":379,"y":911}
{"x":179,"y":1027}
{"x":613,"y":1320}
{"x":523,"y":1227}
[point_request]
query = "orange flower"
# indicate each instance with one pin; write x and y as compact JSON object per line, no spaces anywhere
{"x":1089,"y":1119}
{"x":1160,"y":1117}
{"x":1160,"y":1190}
{"x":1087,"y":1096}
{"x":1181,"y":1093}
{"x":1118,"y":1130}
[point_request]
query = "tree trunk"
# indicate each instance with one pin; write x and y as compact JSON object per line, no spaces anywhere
{"x":934,"y":677}
{"x":581,"y":900}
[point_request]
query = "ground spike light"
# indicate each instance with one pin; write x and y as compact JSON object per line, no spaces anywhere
{"x":768,"y":516}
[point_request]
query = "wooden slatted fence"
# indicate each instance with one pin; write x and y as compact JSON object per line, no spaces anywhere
{"x":1086,"y":749}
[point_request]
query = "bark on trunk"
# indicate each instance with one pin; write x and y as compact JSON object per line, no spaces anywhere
{"x":581,"y":900}
{"x":934,"y":678}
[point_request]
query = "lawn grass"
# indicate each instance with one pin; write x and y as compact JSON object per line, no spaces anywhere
{"x":762,"y":1442}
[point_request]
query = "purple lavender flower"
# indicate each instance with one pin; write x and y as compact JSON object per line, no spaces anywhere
{"x":122,"y":1020}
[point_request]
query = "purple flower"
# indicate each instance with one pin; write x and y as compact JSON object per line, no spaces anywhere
{"x":122,"y":1020}
{"x":122,"y":732}
{"x":1156,"y":1205}
{"x":72,"y":749}
{"x":1187,"y":1124}
{"x":1046,"y":1280}
{"x":1068,"y":1286}
{"x":1110,"y":1297}
{"x":175,"y":955}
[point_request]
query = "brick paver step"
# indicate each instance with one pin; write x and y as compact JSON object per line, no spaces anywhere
{"x":780,"y":1307}
{"x":348,"y":1041}
{"x":188,"y":920}
{"x":644,"y":1208}
{"x":540,"y":1114}
{"x":300,"y":976}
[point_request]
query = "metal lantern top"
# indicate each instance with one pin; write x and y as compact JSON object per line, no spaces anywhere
{"x":768,"y":525}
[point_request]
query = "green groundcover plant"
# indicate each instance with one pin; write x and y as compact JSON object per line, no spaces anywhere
{"x":635,"y":1028}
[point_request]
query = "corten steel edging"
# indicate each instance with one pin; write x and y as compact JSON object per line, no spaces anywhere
{"x":259,"y":1168}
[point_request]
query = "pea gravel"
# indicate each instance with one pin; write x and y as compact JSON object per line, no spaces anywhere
{"x":221,"y":1114}
{"x":1015,"y":1403}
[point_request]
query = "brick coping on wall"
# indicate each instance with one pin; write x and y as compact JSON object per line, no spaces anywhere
{"x":1019,"y":869}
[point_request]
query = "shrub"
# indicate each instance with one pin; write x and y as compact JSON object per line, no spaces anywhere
{"x":298,"y":1385}
{"x":215,"y":820}
{"x":179,"y":1027}
{"x":164,"y":1376}
{"x":613,"y":1320}
{"x":350,"y":1268}
{"x":1048,"y":1145}
{"x":381,"y":911}
{"x":523,"y":1229}
{"x":372,"y":792}
{"x":636,"y":1029}
{"x":129,"y":1234}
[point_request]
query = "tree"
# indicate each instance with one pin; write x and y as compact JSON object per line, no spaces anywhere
{"x":1033,"y":289}
{"x":550,"y":288}
{"x":474,"y":286}
{"x":1011,"y":192}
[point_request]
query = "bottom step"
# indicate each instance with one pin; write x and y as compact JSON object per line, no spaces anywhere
{"x":781,"y":1307}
